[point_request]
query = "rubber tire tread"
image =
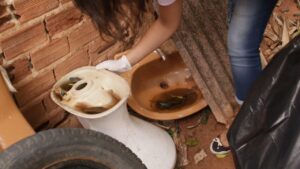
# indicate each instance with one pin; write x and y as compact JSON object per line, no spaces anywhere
{"x":51,"y":146}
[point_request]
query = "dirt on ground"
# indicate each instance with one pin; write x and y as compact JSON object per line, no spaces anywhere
{"x":197,"y":133}
{"x":192,"y":136}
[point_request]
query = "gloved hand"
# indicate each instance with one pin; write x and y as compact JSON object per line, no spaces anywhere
{"x":119,"y":65}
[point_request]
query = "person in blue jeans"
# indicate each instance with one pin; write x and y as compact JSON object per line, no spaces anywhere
{"x":247,"y":23}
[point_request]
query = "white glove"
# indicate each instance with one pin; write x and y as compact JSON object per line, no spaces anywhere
{"x":120,"y":65}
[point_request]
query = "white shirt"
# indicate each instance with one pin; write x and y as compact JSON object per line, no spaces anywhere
{"x":165,"y":2}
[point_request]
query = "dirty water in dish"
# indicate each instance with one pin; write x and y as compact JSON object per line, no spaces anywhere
{"x":61,"y":92}
{"x":95,"y":110}
{"x":175,"y":99}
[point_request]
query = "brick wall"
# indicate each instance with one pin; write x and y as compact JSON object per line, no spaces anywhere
{"x":40,"y":41}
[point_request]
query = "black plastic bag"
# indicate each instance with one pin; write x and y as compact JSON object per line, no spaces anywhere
{"x":266,"y":131}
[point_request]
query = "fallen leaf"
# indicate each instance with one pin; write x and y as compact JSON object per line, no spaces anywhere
{"x":192,"y":142}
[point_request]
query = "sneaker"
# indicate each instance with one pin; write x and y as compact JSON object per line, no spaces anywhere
{"x":240,"y":102}
{"x":217,"y":148}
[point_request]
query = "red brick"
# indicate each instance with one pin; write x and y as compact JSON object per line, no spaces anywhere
{"x":97,"y":46}
{"x":65,"y":1}
{"x":5,"y":22}
{"x":78,"y":59}
{"x":70,"y":122}
{"x":109,"y":53}
{"x":1,"y":58}
{"x":49,"y":103}
{"x":35,"y":88}
{"x":6,"y":26}
{"x":55,"y":113}
{"x":35,"y":114}
{"x":63,"y":20}
{"x":56,"y":117}
{"x":29,"y":9}
{"x":19,"y":69}
{"x":3,"y":10}
{"x":23,"y":40}
{"x":83,"y":35}
{"x":50,"y":53}
{"x":5,"y":17}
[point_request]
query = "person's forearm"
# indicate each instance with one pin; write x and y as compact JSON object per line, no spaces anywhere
{"x":158,"y":33}
{"x":155,"y":36}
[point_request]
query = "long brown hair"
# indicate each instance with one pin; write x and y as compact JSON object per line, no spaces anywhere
{"x":114,"y":17}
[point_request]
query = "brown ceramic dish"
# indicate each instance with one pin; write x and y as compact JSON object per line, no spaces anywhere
{"x":163,"y":89}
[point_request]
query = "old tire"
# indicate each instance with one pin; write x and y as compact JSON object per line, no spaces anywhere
{"x":69,"y":149}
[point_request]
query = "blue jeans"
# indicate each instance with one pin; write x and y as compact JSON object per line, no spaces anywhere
{"x":247,"y":22}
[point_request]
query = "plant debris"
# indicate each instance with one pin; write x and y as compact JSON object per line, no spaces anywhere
{"x":191,"y":142}
{"x":204,"y":115}
{"x":199,"y":156}
{"x":180,"y":146}
{"x":282,"y":27}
